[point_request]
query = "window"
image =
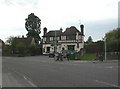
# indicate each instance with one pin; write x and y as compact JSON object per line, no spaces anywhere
{"x":80,"y":37}
{"x":51,"y":38}
{"x":71,"y":37}
{"x":71,"y":47}
{"x":44,"y":39}
{"x":58,"y":38}
{"x":48,"y":39}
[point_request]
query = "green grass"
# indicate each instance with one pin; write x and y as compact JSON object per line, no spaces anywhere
{"x":88,"y":56}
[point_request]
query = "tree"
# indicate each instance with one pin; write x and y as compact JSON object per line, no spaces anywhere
{"x":20,"y":48}
{"x":113,"y":40}
{"x":90,"y":40}
{"x":32,"y":47}
{"x":10,"y":40}
{"x":32,"y":25}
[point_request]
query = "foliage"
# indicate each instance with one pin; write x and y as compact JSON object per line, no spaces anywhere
{"x":10,"y":40}
{"x":100,"y":46}
{"x":32,"y":25}
{"x":113,"y":40}
{"x":20,"y":48}
{"x":16,"y":45}
{"x":88,"y":56}
{"x":6,"y":51}
{"x":90,"y":40}
{"x":31,"y":49}
{"x":95,"y":47}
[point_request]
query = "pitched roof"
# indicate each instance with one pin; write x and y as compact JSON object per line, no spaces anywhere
{"x":71,"y":31}
{"x":52,"y":33}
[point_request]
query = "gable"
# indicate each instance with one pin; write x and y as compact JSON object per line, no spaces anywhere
{"x":71,"y":31}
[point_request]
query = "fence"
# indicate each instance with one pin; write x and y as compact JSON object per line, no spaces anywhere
{"x":113,"y":55}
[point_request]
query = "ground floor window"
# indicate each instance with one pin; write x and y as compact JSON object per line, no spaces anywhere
{"x":71,"y":47}
{"x":48,"y":50}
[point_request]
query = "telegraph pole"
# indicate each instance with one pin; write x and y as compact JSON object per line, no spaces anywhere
{"x":55,"y":45}
{"x":105,"y":47}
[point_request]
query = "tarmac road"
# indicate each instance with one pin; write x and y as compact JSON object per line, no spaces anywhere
{"x":42,"y":71}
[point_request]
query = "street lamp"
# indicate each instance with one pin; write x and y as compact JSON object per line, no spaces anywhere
{"x":55,"y":44}
{"x":105,"y":47}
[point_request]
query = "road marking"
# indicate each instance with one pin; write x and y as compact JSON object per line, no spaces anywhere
{"x":28,"y":80}
{"x":109,"y":84}
{"x":109,"y":67}
{"x":33,"y":85}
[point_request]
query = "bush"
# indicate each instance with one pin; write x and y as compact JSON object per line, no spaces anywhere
{"x":31,"y":49}
{"x":21,"y":48}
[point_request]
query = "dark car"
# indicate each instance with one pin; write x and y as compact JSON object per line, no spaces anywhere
{"x":53,"y":54}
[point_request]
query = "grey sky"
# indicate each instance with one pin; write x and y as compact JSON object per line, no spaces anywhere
{"x":98,"y":16}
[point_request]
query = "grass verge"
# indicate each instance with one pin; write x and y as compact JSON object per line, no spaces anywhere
{"x":88,"y":56}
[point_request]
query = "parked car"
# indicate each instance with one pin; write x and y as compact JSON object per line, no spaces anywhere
{"x":53,"y":54}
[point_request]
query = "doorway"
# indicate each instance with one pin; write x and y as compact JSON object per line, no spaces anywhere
{"x":48,"y":50}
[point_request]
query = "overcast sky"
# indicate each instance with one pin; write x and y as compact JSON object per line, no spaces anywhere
{"x":98,"y":16}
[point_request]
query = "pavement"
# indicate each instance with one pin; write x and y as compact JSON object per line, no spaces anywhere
{"x":42,"y":71}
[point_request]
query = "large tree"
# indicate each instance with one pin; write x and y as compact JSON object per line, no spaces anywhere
{"x":10,"y":40}
{"x":113,"y":40}
{"x":32,"y":25}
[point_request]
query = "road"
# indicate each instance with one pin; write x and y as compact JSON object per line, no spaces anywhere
{"x":42,"y":71}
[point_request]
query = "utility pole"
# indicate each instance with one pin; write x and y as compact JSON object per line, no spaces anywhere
{"x":55,"y":49}
{"x":105,"y":47}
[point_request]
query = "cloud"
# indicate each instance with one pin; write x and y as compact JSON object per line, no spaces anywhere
{"x":97,"y":29}
{"x":21,"y":2}
{"x":58,"y":13}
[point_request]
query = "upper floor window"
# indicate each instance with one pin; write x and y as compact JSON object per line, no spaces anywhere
{"x":56,"y":38}
{"x":47,"y":39}
{"x":44,"y":39}
{"x":63,"y":37}
{"x":80,"y":37}
{"x":71,"y":37}
{"x":51,"y":38}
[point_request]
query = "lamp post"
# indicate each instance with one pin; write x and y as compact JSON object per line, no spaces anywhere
{"x":55,"y":44}
{"x":105,"y":47}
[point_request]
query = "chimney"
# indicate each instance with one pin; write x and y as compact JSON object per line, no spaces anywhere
{"x":44,"y":30}
{"x":61,"y":29}
{"x":82,"y":29}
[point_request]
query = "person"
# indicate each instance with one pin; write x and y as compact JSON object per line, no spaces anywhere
{"x":68,"y":57}
{"x":64,"y":55}
{"x":100,"y":57}
{"x":61,"y":56}
{"x":58,"y":56}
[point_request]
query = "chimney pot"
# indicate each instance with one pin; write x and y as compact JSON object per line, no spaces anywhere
{"x":44,"y":31}
{"x":82,"y":29}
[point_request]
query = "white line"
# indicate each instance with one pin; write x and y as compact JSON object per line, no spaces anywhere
{"x":113,"y":85}
{"x":33,"y":85}
{"x":109,"y":67}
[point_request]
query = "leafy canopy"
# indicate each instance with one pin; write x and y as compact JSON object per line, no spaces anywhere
{"x":32,"y":25}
